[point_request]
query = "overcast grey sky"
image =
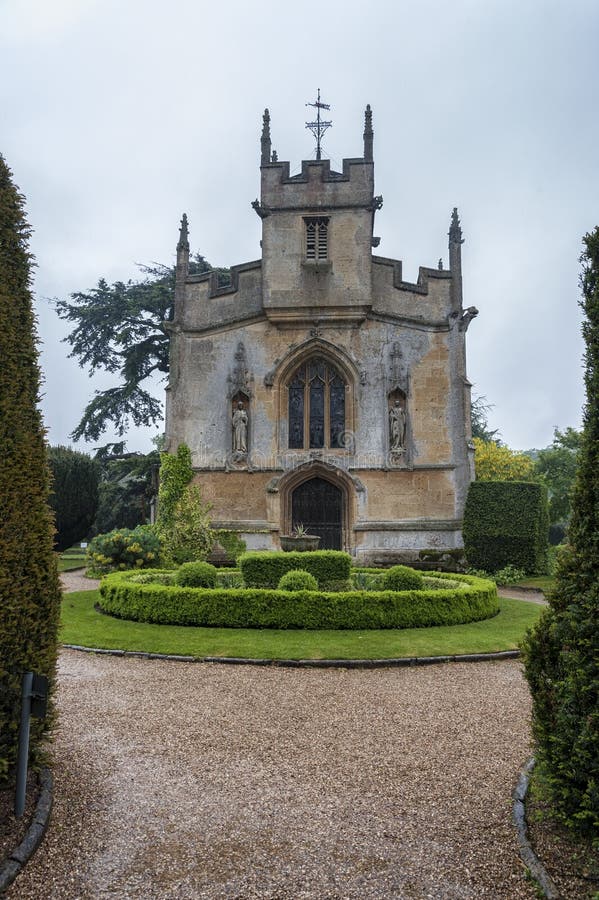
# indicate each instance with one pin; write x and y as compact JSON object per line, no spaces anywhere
{"x":118,"y":115}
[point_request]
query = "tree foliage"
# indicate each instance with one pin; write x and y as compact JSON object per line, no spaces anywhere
{"x":479,"y":420}
{"x":127,"y":488}
{"x":562,"y":652}
{"x":556,"y":467}
{"x":29,"y":587}
{"x":74,"y":495}
{"x":120,"y":328}
{"x":495,"y":462}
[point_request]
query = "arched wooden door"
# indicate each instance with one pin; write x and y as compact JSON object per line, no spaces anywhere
{"x":318,"y":506}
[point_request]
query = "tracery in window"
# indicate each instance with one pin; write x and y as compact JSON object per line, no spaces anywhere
{"x":317,"y":238}
{"x":316,"y":406}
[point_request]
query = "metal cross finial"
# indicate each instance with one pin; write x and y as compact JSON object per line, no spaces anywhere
{"x":318,"y":127}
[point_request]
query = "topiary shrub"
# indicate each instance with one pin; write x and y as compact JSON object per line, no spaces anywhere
{"x":472,"y":601}
{"x":506,"y":523}
{"x":402,"y":578}
{"x":29,"y":587}
{"x":123,"y":549}
{"x":265,"y":569}
{"x":298,"y":580}
{"x":196,"y":574}
{"x":561,"y":653}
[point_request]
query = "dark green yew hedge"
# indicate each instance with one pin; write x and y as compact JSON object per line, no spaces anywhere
{"x":264,"y":569}
{"x":121,"y":596}
{"x":506,"y":523}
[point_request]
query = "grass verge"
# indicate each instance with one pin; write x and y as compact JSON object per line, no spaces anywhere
{"x":81,"y":624}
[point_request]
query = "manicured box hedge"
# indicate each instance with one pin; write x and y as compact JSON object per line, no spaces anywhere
{"x":506,"y":523}
{"x":475,"y":599}
{"x":265,"y":569}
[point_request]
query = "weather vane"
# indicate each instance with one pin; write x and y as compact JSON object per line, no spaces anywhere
{"x":318,"y":127}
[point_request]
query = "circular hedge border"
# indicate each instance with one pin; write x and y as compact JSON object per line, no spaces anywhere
{"x":124,"y":597}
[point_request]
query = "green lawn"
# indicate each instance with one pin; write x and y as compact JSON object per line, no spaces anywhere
{"x":67,"y":563}
{"x":82,"y":625}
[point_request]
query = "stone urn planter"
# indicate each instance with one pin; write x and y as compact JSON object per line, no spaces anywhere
{"x":299,"y":544}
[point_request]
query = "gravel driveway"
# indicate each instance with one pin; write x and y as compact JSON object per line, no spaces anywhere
{"x":180,"y":780}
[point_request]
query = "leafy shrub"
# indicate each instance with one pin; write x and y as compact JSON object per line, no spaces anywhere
{"x":366,"y":581}
{"x":123,"y":549}
{"x":430,"y":583}
{"x":342,"y":585}
{"x":196,"y":574}
{"x":506,"y":523}
{"x":509,"y":575}
{"x":402,"y":578}
{"x":74,"y":494}
{"x":189,"y":536}
{"x":155,"y":576}
{"x":298,"y":580}
{"x":175,"y":474}
{"x":229,"y":578}
{"x":554,"y":554}
{"x":475,"y":599}
{"x":231,"y":543}
{"x":265,"y":569}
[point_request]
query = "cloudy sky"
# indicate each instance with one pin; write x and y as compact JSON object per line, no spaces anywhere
{"x":118,"y":115}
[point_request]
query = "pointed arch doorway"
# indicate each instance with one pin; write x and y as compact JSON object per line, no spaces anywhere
{"x":317,"y":504}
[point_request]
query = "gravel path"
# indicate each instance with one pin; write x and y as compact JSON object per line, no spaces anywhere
{"x":178,"y":780}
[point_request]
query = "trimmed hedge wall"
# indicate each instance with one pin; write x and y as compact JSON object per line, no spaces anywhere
{"x":121,"y":596}
{"x":506,"y":523}
{"x":265,"y":569}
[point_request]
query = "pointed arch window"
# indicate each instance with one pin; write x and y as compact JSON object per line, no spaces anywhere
{"x":317,"y":238}
{"x":316,"y":406}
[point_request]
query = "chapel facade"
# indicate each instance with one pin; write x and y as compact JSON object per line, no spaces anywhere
{"x":316,"y":386}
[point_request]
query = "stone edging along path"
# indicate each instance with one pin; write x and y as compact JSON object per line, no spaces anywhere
{"x":15,"y":861}
{"x":391,"y":662}
{"x":527,"y":854}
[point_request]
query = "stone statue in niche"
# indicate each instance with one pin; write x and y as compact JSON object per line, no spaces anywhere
{"x":240,"y":430}
{"x":397,"y":428}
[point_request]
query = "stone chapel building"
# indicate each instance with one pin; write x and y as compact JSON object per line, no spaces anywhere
{"x":317,"y":387}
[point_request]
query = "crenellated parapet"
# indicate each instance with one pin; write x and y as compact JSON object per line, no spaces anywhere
{"x":317,"y":185}
{"x":210,"y":303}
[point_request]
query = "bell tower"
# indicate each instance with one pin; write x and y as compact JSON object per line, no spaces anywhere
{"x":317,"y":232}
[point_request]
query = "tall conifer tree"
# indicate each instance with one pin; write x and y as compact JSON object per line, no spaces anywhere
{"x":29,"y":586}
{"x":562,"y":652}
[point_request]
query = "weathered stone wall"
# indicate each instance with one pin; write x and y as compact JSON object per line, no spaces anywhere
{"x":201,"y":409}
{"x":385,"y":336}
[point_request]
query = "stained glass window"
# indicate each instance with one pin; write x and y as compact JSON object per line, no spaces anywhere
{"x":316,"y":406}
{"x":296,"y":410}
